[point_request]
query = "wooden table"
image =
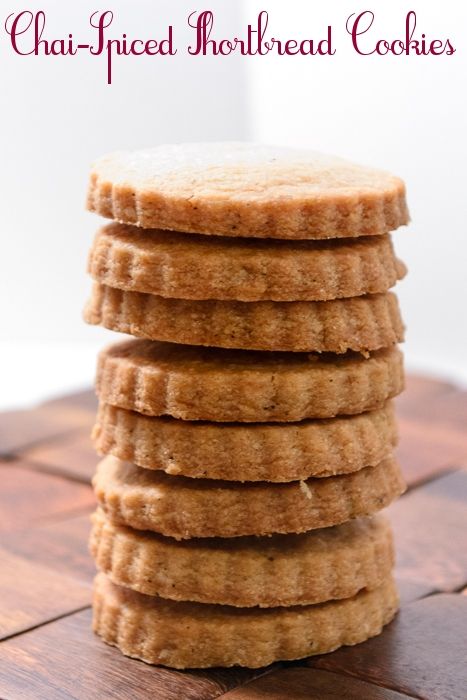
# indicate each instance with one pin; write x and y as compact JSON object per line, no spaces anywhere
{"x":48,"y":651}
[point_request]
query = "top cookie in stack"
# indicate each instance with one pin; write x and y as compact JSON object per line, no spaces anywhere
{"x":280,"y":263}
{"x":248,"y":190}
{"x":248,"y":294}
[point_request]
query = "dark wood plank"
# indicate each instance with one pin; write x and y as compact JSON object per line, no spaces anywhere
{"x":420,"y":391}
{"x":310,"y":684}
{"x":424,"y":452}
{"x":411,"y":590}
{"x":454,"y":410}
{"x":445,"y":408}
{"x":71,"y":455}
{"x":429,"y":526}
{"x":28,"y":496}
{"x":61,"y":545}
{"x":421,"y":653}
{"x":21,"y":429}
{"x":64,"y":660}
{"x":32,"y":594}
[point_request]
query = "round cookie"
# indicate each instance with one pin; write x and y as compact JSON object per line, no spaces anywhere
{"x":313,"y":567}
{"x":183,"y":266}
{"x":195,"y":383}
{"x":361,"y":324}
{"x":197,"y":635}
{"x":247,"y":452}
{"x":246,"y":189}
{"x":183,"y":508}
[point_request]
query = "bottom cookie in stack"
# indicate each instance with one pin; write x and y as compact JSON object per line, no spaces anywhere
{"x":247,"y":601}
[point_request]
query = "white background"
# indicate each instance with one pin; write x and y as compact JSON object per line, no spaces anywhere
{"x":405,"y":114}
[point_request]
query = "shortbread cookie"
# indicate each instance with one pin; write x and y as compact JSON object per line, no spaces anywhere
{"x":195,"y":383}
{"x":361,"y":323}
{"x":313,"y":567}
{"x":180,"y":507}
{"x":244,"y":452}
{"x":197,"y":635}
{"x":245,"y":189}
{"x":183,"y":266}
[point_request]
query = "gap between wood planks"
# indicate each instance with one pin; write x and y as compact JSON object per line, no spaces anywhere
{"x":43,"y":624}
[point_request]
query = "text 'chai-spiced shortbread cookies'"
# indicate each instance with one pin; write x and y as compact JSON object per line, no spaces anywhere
{"x":248,"y":432}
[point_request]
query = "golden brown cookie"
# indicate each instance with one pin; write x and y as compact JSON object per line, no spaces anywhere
{"x":195,"y":383}
{"x":183,"y":266}
{"x":245,"y":452}
{"x":180,"y":507}
{"x":245,"y":189}
{"x":361,"y":323}
{"x":313,"y":567}
{"x":197,"y":635}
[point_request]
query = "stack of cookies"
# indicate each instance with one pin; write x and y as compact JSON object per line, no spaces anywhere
{"x":248,"y":430}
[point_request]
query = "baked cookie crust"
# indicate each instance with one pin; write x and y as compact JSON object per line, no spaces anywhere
{"x":281,"y":570}
{"x":183,"y":508}
{"x":246,"y":189}
{"x":195,"y":383}
{"x":196,"y":635}
{"x":361,"y":324}
{"x":247,"y":452}
{"x":183,"y":266}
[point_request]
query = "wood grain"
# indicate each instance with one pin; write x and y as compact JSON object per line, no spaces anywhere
{"x":421,"y":653}
{"x":411,"y":590}
{"x":21,"y":429}
{"x":28,"y":496}
{"x":32,"y":594}
{"x":421,"y":391}
{"x":426,"y":453}
{"x":430,"y":526}
{"x":65,"y":660}
{"x":61,"y":545}
{"x":440,"y":407}
{"x":310,"y":684}
{"x":69,"y":455}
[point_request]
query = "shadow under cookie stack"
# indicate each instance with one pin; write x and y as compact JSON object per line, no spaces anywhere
{"x":248,"y":430}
